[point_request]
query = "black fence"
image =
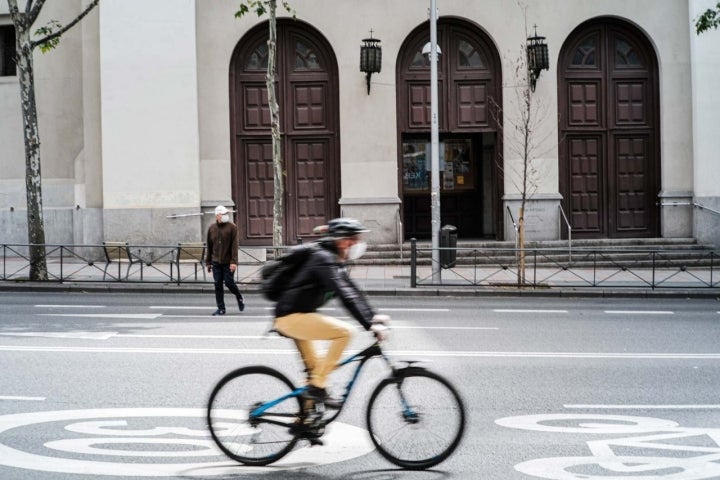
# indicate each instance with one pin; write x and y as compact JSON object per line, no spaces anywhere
{"x":564,"y":267}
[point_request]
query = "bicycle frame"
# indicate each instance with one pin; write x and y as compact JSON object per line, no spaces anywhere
{"x":373,"y":350}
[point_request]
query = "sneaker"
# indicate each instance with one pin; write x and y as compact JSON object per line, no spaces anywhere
{"x":217,"y":312}
{"x":320,"y":395}
{"x":241,"y":302}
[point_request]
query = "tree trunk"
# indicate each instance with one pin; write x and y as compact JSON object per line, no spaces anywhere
{"x":33,"y":179}
{"x":278,"y":180}
{"x":521,"y":247}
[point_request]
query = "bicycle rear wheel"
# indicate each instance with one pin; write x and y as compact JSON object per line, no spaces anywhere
{"x":258,"y":440}
{"x":415,"y":420}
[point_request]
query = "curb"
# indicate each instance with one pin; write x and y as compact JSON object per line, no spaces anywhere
{"x":167,"y":288}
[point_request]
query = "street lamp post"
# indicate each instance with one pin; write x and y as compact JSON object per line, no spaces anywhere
{"x":434,"y":147}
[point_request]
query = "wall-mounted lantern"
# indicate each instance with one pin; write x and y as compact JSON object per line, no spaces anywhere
{"x":538,"y":57}
{"x":370,"y":58}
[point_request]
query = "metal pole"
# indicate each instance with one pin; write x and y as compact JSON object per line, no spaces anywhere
{"x":434,"y":147}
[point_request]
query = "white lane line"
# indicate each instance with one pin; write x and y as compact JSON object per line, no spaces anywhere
{"x":519,"y":310}
{"x":146,"y":316}
{"x":70,"y":306}
{"x":77,"y":335}
{"x":414,"y":309}
{"x":219,"y":317}
{"x":639,"y":312}
{"x":645,"y":407}
{"x":209,"y":337}
{"x":417,"y":327}
{"x":177,"y":307}
{"x":29,"y":399}
{"x":414,"y":353}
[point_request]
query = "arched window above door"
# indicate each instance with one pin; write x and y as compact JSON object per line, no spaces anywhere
{"x":585,"y":53}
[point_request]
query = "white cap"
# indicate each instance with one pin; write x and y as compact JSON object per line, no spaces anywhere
{"x":220,"y":210}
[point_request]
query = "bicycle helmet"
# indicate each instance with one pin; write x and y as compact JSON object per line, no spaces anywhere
{"x":342,"y":227}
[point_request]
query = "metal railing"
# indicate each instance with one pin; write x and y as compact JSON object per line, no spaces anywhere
{"x":144,"y":263}
{"x":553,"y":267}
{"x":569,"y":227}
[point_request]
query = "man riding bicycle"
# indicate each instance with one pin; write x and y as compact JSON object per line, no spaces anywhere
{"x":323,"y":276}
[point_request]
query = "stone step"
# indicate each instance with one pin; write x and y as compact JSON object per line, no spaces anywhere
{"x":607,"y":252}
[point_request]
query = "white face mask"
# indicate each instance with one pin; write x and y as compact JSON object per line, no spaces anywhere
{"x":225,"y":218}
{"x":357,"y":250}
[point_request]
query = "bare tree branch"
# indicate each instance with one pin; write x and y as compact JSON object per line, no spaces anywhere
{"x":33,"y":11}
{"x":67,"y":27}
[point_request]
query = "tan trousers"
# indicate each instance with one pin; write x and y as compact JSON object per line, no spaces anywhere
{"x":306,"y":327}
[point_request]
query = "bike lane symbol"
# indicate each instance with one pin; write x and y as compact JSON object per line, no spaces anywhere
{"x":697,"y":449}
{"x":117,"y":444}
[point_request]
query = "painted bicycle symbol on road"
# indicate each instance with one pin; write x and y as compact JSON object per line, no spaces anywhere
{"x":146,"y":442}
{"x":656,"y":448}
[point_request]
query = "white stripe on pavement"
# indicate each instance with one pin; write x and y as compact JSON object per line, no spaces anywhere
{"x":146,"y":316}
{"x":29,"y":399}
{"x":518,"y":310}
{"x":415,"y":353}
{"x":70,"y":306}
{"x":645,"y":407}
{"x":640,"y":312}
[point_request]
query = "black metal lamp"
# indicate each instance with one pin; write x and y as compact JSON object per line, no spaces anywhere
{"x":538,"y":57}
{"x":370,"y":58}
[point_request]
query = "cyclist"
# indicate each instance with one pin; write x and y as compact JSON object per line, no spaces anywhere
{"x":323,"y":276}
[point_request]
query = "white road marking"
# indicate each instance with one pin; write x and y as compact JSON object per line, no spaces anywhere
{"x":414,"y":309}
{"x":518,"y":310}
{"x":644,"y":407}
{"x":29,"y":399}
{"x":79,"y":335}
{"x":639,"y":312}
{"x":419,"y":327}
{"x":178,"y":307}
{"x":89,"y":456}
{"x":222,"y":337}
{"x":227,"y":315}
{"x":70,"y":306}
{"x":146,"y":316}
{"x":401,"y":353}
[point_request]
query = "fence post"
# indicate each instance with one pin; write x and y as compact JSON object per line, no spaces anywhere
{"x":652,"y":286}
{"x":413,"y":263}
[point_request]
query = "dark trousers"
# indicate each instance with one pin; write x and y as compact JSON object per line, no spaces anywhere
{"x":222,"y":274}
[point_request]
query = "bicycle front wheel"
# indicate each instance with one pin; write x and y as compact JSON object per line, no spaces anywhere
{"x":257,"y":439}
{"x":415,"y":420}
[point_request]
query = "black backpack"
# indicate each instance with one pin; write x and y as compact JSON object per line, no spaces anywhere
{"x":276,"y":275}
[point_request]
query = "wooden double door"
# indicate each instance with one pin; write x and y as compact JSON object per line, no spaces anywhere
{"x":306,"y":86}
{"x":609,"y":131}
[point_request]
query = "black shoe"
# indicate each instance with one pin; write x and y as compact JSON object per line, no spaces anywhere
{"x":217,"y":312}
{"x":320,"y":395}
{"x":241,"y":302}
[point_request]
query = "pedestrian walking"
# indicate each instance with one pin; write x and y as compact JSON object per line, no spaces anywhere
{"x":222,"y":258}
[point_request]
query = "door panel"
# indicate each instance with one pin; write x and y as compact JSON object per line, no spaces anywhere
{"x":257,"y":216}
{"x":586,"y":195}
{"x":306,"y":90}
{"x":608,"y":91}
{"x":310,"y":202}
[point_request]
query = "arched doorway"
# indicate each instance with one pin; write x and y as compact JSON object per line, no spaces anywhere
{"x":307,"y":90}
{"x":469,"y":86}
{"x":609,"y":131}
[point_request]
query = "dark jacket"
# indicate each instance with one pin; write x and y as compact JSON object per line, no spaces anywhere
{"x":321,"y":278}
{"x":222,"y":244}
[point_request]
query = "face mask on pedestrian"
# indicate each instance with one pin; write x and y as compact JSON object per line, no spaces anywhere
{"x":356,"y":251}
{"x":225,"y":218}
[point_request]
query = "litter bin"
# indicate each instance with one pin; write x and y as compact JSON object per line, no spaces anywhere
{"x":448,"y":245}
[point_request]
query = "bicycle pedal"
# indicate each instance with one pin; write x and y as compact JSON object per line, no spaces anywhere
{"x":315,"y":442}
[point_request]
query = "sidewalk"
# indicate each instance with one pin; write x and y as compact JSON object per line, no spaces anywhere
{"x":391,"y":280}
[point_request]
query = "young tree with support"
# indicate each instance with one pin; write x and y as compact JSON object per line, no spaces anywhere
{"x":269,"y":7}
{"x":49,"y":38}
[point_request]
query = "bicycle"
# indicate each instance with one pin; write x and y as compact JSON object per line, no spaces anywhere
{"x":415,"y":417}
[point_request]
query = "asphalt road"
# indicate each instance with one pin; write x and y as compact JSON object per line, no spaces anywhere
{"x":96,"y":385}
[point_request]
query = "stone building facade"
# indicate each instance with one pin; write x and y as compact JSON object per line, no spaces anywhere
{"x":152,"y":110}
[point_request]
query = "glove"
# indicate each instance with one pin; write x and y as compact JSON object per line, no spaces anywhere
{"x":381,"y":331}
{"x":379,"y":327}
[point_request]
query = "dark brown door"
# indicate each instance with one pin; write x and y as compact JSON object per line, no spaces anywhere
{"x":609,"y":135}
{"x":306,"y":93}
{"x":468,"y":91}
